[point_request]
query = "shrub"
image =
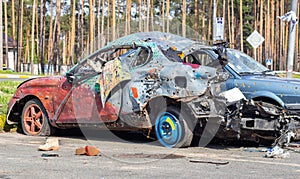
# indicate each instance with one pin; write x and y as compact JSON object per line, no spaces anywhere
{"x":7,"y":89}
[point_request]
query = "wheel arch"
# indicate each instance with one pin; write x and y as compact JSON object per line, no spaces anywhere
{"x":159,"y":102}
{"x":15,"y":112}
{"x":269,"y":100}
{"x":268,"y":97}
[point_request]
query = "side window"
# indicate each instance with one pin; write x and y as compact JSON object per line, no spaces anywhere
{"x":191,"y":59}
{"x":141,"y":58}
{"x":199,"y":57}
{"x":204,"y":58}
{"x":128,"y":56}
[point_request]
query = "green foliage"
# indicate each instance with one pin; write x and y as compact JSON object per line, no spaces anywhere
{"x":12,"y":72}
{"x":7,"y":89}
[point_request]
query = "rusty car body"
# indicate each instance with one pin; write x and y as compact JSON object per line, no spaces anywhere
{"x":144,"y":81}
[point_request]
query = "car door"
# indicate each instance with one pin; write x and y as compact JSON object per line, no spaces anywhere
{"x":120,"y":78}
{"x":78,"y":97}
{"x":115,"y":76}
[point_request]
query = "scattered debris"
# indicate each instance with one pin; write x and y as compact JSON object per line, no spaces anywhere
{"x":50,"y":155}
{"x":254,"y":150}
{"x":293,"y":149}
{"x":155,"y":156}
{"x":87,"y":150}
{"x":293,"y":144}
{"x":277,"y":152}
{"x":51,"y":144}
{"x":210,"y":162}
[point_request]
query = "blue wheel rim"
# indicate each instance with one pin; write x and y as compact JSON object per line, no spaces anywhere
{"x":168,"y":129}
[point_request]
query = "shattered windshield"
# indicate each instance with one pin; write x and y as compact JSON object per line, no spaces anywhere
{"x":243,"y":64}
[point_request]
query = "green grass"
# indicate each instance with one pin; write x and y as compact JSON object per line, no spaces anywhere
{"x":283,"y":75}
{"x":7,"y":89}
{"x":13,"y":72}
{"x":296,"y":76}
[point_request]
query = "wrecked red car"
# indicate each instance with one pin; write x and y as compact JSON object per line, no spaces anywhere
{"x":143,"y":82}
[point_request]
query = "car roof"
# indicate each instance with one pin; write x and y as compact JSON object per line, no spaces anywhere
{"x":163,"y":39}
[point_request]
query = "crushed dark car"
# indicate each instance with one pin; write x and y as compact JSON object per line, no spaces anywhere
{"x":154,"y":82}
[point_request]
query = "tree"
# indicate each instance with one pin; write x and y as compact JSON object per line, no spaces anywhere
{"x":102,"y":24}
{"x":6,"y":34}
{"x":91,"y":25}
{"x":32,"y":36}
{"x":72,"y":37}
{"x":42,"y":34}
{"x":128,"y":17}
{"x":242,"y":17}
{"x":168,"y":15}
{"x":56,"y":59}
{"x":51,"y":37}
{"x":20,"y":35}
{"x":13,"y":21}
{"x":184,"y":18}
{"x":140,"y":16}
{"x":1,"y":38}
{"x":113,"y":26}
{"x":241,"y":26}
{"x":163,"y":15}
{"x":196,"y":20}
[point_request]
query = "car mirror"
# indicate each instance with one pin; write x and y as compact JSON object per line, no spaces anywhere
{"x":70,"y":77}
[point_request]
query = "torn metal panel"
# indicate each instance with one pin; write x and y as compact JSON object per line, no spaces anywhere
{"x":265,"y":121}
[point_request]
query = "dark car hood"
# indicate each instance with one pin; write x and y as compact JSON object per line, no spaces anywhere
{"x":271,"y":79}
{"x":287,"y":89}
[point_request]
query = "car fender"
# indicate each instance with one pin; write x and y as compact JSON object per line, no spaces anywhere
{"x":267,"y":94}
{"x":14,"y":114}
{"x":11,"y":105}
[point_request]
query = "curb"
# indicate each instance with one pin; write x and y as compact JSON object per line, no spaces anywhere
{"x":16,"y":76}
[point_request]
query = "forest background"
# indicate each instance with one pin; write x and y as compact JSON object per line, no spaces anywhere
{"x":61,"y":32}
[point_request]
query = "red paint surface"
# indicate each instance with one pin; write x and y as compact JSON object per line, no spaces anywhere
{"x":81,"y":105}
{"x":192,"y":65}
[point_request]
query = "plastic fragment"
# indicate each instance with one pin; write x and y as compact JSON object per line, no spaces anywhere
{"x":87,"y":150}
{"x":210,"y":162}
{"x":277,"y":152}
{"x":50,"y":155}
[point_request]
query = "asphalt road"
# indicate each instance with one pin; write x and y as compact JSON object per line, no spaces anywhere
{"x":137,"y":157}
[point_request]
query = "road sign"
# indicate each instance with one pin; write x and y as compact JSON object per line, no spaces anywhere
{"x":255,"y":39}
{"x":219,"y":28}
{"x":269,"y":61}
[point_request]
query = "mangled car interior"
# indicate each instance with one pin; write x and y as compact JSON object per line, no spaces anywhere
{"x":160,"y":83}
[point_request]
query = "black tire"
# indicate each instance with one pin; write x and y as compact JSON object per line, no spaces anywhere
{"x":173,"y":127}
{"x":34,"y":119}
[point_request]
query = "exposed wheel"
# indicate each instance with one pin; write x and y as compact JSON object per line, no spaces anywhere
{"x":34,"y":119}
{"x":173,"y":128}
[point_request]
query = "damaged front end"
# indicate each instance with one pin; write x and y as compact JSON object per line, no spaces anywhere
{"x":257,"y":121}
{"x":237,"y":118}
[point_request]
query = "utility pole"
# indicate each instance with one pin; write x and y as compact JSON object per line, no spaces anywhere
{"x":214,"y":20}
{"x":291,"y":48}
{"x":1,"y":37}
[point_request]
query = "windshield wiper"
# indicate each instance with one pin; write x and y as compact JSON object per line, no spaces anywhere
{"x":246,"y":73}
{"x":268,"y":72}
